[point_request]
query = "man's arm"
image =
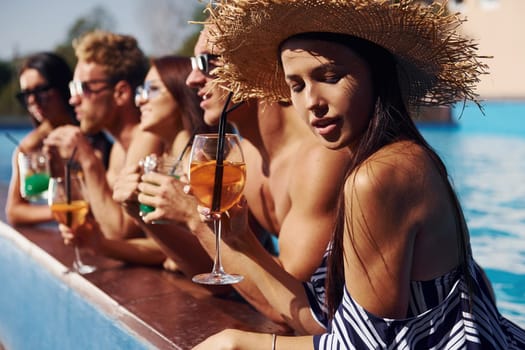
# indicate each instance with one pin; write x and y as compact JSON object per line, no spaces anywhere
{"x":304,"y":236}
{"x":314,"y":190}
{"x":306,"y":231}
{"x":142,"y":251}
{"x":113,"y":221}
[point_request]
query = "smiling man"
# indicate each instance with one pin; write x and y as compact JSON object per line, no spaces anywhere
{"x":110,"y":67}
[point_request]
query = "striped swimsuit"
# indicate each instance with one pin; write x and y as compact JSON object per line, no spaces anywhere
{"x":440,"y":317}
{"x":315,"y":291}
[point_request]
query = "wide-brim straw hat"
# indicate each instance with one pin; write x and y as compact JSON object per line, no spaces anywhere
{"x":436,"y":64}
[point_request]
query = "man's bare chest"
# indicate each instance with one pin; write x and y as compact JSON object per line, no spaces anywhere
{"x":268,"y":195}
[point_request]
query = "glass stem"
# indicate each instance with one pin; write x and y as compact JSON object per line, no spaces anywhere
{"x":78,"y":261}
{"x":217,"y":264}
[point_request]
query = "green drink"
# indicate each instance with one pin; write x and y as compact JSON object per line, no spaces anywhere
{"x":36,"y":184}
{"x":164,"y":165}
{"x":33,"y":171}
{"x":148,"y":164}
{"x":144,"y":209}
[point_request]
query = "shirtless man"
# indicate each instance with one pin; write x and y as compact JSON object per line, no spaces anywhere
{"x":292,"y":190}
{"x":102,"y":92}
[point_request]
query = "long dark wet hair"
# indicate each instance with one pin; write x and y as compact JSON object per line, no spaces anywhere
{"x":389,"y":123}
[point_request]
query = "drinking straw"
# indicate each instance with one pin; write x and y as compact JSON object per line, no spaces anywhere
{"x":219,"y":168}
{"x":69,"y":164}
{"x":234,"y":107}
{"x":12,"y":138}
{"x":181,"y":156}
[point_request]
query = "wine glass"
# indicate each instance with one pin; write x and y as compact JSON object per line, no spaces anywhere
{"x":67,"y":198}
{"x":203,"y":164}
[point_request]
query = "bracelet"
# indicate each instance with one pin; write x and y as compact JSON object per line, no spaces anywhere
{"x":274,"y":339}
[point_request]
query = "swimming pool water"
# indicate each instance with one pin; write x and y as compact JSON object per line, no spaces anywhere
{"x":6,"y":149}
{"x":485,"y":156}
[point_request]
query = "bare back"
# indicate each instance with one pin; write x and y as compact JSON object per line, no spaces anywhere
{"x":403,"y":227}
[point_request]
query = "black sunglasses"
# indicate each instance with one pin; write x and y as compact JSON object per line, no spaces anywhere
{"x":203,"y":62}
{"x":38,"y":92}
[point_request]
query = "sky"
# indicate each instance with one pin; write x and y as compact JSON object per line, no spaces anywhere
{"x":32,"y":25}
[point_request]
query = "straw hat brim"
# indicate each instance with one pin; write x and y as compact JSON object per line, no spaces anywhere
{"x":436,"y":65}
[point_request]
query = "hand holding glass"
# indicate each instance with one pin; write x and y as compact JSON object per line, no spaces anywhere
{"x":165,"y":164}
{"x":203,"y":165}
{"x":70,"y":209}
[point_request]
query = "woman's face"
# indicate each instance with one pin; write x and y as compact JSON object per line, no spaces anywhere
{"x":160,"y":112}
{"x":42,"y":100}
{"x":331,"y":89}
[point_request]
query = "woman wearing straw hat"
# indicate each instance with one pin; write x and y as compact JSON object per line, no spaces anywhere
{"x":401,"y":271}
{"x":292,"y":189}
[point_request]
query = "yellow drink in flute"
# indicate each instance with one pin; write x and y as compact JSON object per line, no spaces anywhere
{"x":76,"y":210}
{"x":202,"y":178}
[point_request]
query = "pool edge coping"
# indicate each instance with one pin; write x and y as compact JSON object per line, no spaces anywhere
{"x":130,"y":322}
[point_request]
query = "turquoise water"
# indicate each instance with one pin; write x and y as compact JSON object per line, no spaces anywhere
{"x":6,"y":149}
{"x":485,"y":156}
{"x":40,"y":311}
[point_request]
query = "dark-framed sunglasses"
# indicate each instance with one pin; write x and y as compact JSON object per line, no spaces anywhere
{"x":39,"y":93}
{"x":87,"y":87}
{"x":203,"y":62}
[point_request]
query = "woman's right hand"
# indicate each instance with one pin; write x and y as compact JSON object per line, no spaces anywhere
{"x":169,"y":198}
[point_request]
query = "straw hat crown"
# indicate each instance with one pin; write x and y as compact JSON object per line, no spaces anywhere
{"x":436,"y":65}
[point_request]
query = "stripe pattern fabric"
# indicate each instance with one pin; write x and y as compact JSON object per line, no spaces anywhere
{"x":316,"y":293}
{"x":442,"y":314}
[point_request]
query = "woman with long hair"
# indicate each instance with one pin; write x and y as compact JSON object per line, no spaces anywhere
{"x":400,"y":270}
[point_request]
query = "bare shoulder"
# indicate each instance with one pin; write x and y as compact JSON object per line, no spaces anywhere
{"x":117,"y":156}
{"x":117,"y":161}
{"x":401,"y":169}
{"x":141,"y":138}
{"x":142,"y":144}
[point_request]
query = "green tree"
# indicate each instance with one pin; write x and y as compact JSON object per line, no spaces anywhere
{"x":186,"y":49}
{"x":6,"y":73}
{"x":97,"y":18}
{"x":187,"y":46}
{"x":8,"y":88}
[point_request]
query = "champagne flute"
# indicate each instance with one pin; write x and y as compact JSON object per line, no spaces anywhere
{"x":69,"y":204}
{"x":203,"y":165}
